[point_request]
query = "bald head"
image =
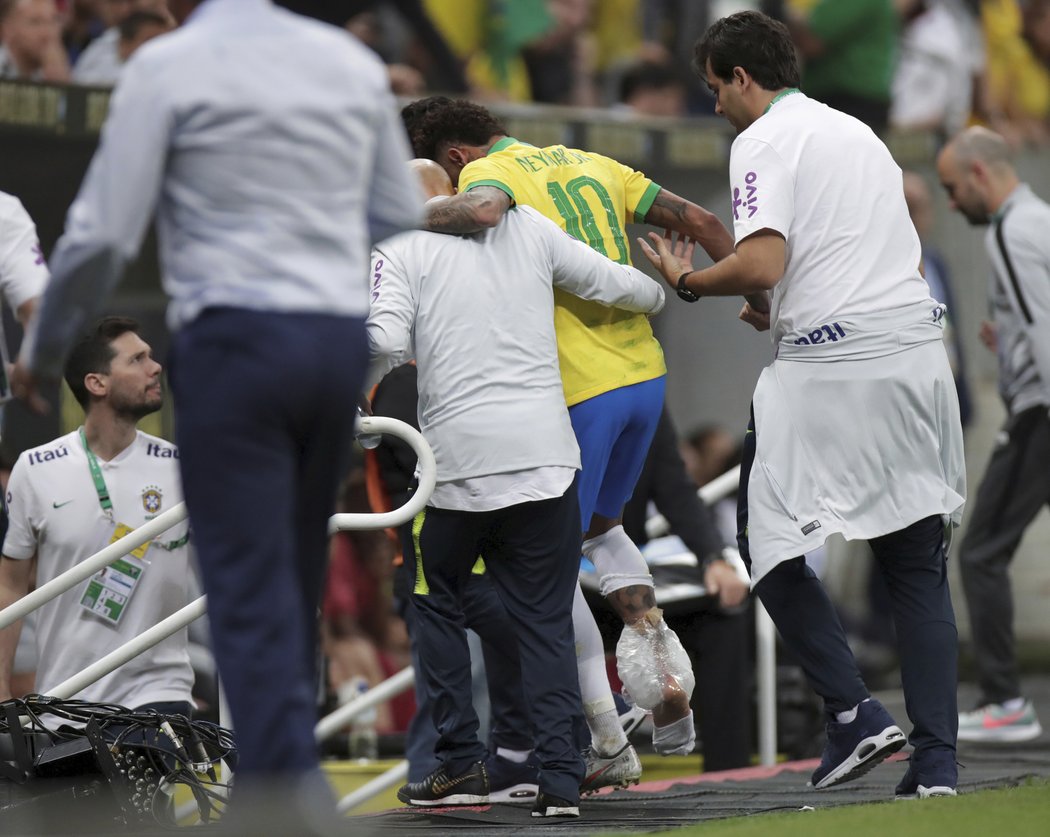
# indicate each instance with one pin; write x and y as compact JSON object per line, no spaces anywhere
{"x":980,"y":144}
{"x":433,"y":178}
{"x":977,"y":171}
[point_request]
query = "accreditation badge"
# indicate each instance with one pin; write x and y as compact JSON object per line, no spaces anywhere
{"x":111,"y":588}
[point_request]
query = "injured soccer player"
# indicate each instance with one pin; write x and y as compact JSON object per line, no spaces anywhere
{"x":477,"y":313}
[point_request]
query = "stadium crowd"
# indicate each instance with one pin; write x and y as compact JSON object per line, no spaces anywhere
{"x":907,"y":64}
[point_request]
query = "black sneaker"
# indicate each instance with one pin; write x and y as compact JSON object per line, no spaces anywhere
{"x":551,"y":806}
{"x":471,"y":787}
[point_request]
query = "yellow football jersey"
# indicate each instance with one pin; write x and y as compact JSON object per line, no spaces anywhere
{"x":589,"y":196}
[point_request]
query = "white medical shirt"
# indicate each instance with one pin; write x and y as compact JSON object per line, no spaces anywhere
{"x":477,"y":312}
{"x":829,"y":186}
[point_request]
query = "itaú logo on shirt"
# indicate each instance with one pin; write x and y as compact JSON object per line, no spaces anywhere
{"x":39,"y":456}
{"x":749,"y":197}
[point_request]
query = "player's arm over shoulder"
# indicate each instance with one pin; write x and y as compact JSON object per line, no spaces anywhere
{"x":586,"y":273}
{"x":477,"y":209}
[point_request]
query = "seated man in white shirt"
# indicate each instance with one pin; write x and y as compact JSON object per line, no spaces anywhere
{"x":70,"y":498}
{"x":130,"y":24}
{"x":477,"y":312}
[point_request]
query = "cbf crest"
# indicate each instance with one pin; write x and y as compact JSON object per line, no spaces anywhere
{"x":151,"y":499}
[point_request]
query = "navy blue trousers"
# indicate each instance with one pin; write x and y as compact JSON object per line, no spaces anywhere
{"x":532,"y":554}
{"x":914,"y":565}
{"x":264,"y":418}
{"x":483,"y":613}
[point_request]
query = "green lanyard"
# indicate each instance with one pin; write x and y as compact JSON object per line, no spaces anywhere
{"x":780,"y":96}
{"x":97,"y":478}
{"x":103,"y":494}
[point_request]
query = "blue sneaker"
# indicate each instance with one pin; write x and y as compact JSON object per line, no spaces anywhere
{"x":931,"y":774}
{"x":511,"y":781}
{"x":854,"y":748}
{"x":632,"y":718}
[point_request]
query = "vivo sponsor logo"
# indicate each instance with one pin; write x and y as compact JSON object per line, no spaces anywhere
{"x":377,"y":279}
{"x":748,"y":199}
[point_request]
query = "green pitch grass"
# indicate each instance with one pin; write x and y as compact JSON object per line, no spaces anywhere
{"x":1010,"y":812}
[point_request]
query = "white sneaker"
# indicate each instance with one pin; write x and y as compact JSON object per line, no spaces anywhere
{"x":937,"y":790}
{"x":995,"y":723}
{"x":618,"y":770}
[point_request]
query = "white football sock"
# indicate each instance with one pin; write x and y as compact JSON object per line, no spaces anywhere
{"x":617,"y":560}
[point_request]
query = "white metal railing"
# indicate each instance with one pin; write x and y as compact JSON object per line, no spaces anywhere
{"x":718,"y":489}
{"x":656,"y":526}
{"x":327,"y":726}
{"x":389,"y":688}
{"x":181,"y":618}
{"x":89,"y":566}
{"x":129,"y":650}
{"x":427,"y":478}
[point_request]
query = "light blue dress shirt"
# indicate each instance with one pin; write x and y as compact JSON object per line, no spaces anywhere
{"x":270,"y":148}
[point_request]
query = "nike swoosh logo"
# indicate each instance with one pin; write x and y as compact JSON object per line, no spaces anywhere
{"x":59,"y":505}
{"x":1006,"y":720}
{"x":598,"y":773}
{"x":440,"y":788}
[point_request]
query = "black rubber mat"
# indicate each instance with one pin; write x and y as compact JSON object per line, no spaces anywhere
{"x":671,"y":804}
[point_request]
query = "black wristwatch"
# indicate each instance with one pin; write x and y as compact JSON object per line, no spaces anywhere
{"x":683,"y":291}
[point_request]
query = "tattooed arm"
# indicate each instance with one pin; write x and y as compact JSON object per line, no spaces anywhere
{"x":468,"y":212}
{"x":674,"y":213}
{"x":633,"y":602}
{"x":671,"y":212}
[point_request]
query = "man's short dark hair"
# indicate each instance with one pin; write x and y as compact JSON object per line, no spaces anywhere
{"x":439,"y":121}
{"x":412,"y":114}
{"x":751,"y":40}
{"x":94,"y":352}
{"x":135,"y":22}
{"x":648,"y":75}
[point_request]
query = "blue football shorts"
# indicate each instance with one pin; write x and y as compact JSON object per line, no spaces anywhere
{"x":614,"y":431}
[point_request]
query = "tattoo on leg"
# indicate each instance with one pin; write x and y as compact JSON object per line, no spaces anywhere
{"x":632,"y":603}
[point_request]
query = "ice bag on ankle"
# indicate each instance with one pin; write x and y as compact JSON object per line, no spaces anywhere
{"x":651,"y":661}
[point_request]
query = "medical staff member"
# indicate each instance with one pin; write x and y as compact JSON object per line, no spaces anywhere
{"x":855,"y":425}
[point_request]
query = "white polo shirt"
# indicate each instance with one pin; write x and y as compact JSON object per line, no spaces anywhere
{"x":477,"y":313}
{"x":825,"y":182}
{"x":55,"y":512}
